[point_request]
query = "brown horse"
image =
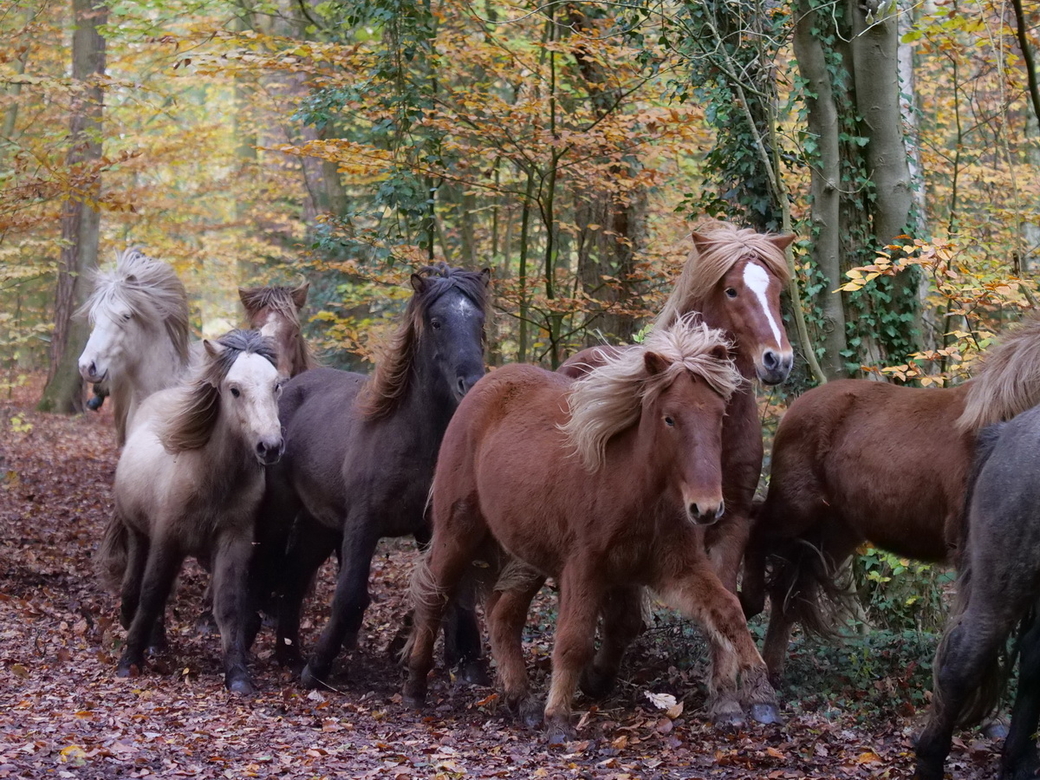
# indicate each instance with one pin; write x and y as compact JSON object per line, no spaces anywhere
{"x":601,"y":483}
{"x":275,"y":312}
{"x":859,"y":461}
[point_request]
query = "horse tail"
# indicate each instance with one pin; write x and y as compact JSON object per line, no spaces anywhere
{"x":804,"y":583}
{"x":985,"y":697}
{"x":992,"y":680}
{"x":424,"y":595}
{"x":1009,"y":382}
{"x":111,"y":555}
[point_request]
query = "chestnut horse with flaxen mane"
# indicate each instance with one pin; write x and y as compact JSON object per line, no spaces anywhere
{"x":860,"y":461}
{"x":603,"y":484}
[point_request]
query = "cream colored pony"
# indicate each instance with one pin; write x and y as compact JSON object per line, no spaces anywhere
{"x":189,"y":482}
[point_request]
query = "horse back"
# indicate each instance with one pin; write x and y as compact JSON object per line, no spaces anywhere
{"x":581,"y":363}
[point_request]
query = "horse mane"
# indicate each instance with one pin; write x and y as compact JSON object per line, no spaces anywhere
{"x":149,"y":287}
{"x":287,"y":302}
{"x":717,"y":247}
{"x":610,"y":397}
{"x":194,"y":412}
{"x":1009,"y":382}
{"x":384,"y":390}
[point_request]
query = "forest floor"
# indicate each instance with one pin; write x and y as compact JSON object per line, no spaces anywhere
{"x":63,"y":712}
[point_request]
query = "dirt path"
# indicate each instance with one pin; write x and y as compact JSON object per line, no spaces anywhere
{"x":63,"y":713}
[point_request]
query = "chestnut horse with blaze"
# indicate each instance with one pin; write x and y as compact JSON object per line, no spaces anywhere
{"x":604,"y":484}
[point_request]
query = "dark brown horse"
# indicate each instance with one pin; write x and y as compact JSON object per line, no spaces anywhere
{"x":360,"y":454}
{"x":858,"y":461}
{"x":601,"y":483}
{"x":998,"y":588}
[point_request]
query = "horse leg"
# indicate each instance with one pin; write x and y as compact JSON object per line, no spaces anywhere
{"x":700,"y":595}
{"x":433,"y":584}
{"x":309,"y":549}
{"x":1019,"y":760}
{"x":231,"y":604}
{"x":506,"y":616}
{"x":581,"y":596}
{"x":349,"y":603}
{"x":164,"y":561}
{"x":753,"y":581}
{"x":622,"y":622}
{"x":965,"y":653}
{"x":462,"y":645}
{"x":728,"y":539}
{"x":133,"y":576}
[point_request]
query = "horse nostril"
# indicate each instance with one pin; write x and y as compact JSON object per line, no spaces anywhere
{"x":460,"y":385}
{"x":92,"y":370}
{"x":695,"y":511}
{"x":770,"y":359}
{"x":721,"y":510}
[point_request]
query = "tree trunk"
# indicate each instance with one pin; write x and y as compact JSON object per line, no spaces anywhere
{"x":81,"y":219}
{"x":826,"y":177}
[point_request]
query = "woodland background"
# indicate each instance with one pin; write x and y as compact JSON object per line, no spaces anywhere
{"x":569,"y":146}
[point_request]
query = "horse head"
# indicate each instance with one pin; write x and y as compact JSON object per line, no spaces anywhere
{"x":275,"y":312}
{"x":748,"y":306}
{"x":249,"y":393}
{"x":451,"y":332}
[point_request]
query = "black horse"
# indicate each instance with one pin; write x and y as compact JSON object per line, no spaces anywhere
{"x":998,"y":587}
{"x":359,"y":461}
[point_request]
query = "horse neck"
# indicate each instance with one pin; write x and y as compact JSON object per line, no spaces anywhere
{"x":227,"y":455}
{"x":157,"y":367}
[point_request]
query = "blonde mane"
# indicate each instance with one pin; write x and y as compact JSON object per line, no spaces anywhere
{"x":1009,"y":382}
{"x":610,"y":398}
{"x":150,"y":288}
{"x":717,"y":247}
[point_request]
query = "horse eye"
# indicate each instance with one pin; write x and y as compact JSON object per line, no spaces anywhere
{"x":669,"y":421}
{"x":731,"y":292}
{"x":127,"y":317}
{"x":235,"y":392}
{"x":435,"y":324}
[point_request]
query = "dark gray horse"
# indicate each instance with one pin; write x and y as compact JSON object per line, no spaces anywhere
{"x":998,"y":588}
{"x":360,"y":454}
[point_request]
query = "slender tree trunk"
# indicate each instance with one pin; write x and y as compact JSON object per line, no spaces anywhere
{"x":826,"y":177}
{"x":81,"y":219}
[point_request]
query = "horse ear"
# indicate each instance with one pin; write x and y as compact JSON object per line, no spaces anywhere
{"x":243,"y":295}
{"x":485,"y":276}
{"x":782,"y":242}
{"x":654,"y":363}
{"x":418,"y":282}
{"x":213,"y":348}
{"x":701,"y":242}
{"x":719,"y":352}
{"x":299,"y":295}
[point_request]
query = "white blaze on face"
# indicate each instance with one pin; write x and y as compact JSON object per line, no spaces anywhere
{"x":756,"y":279}
{"x":257,"y":405}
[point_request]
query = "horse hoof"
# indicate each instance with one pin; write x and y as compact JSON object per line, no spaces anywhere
{"x":530,"y":712}
{"x":765,"y":713}
{"x":241,"y":686}
{"x":727,"y":715}
{"x":558,"y":732}
{"x":474,"y":673}
{"x":995,"y":729}
{"x":311,"y":679}
{"x":128,"y":670}
{"x":596,"y":684}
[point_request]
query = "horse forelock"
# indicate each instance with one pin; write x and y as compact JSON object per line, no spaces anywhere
{"x":149,"y":288}
{"x":610,"y":398}
{"x":1009,"y":381}
{"x":388,"y":384}
{"x":257,"y":300}
{"x":719,"y":247}
{"x":194,"y":415}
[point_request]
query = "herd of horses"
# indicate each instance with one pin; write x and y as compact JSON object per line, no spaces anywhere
{"x":632,"y":467}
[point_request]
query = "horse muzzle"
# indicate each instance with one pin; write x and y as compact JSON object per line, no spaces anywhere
{"x":464,"y":384}
{"x":774,"y":367}
{"x":270,"y":452}
{"x":705,"y":512}
{"x":90,"y":373}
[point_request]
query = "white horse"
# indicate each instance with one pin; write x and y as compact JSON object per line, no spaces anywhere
{"x":138,"y":342}
{"x":189,"y":482}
